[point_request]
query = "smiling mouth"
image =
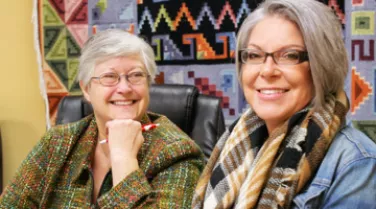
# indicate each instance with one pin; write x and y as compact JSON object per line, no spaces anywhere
{"x":272,"y":91}
{"x":123,"y":103}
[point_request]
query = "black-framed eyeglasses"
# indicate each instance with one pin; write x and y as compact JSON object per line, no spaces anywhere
{"x":280,"y":57}
{"x":112,"y":78}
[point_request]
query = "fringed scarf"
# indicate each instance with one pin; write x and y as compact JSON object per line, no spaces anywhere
{"x":249,"y":169}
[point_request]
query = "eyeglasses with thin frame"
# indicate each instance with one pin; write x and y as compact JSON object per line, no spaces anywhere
{"x":280,"y":57}
{"x":112,"y":78}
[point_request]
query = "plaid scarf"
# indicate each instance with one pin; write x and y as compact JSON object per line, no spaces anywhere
{"x":247,"y":171}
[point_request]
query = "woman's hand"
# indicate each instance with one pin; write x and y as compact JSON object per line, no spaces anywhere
{"x":124,"y":140}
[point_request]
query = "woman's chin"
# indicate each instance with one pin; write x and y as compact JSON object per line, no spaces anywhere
{"x":267,"y":110}
{"x":270,"y":115}
{"x":123,"y":116}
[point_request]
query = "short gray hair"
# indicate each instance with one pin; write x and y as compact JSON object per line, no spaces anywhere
{"x":322,"y":34}
{"x":113,"y":43}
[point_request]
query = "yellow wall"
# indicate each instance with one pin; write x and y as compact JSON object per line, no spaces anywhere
{"x":22,"y":109}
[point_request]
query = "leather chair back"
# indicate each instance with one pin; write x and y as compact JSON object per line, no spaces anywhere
{"x":198,"y":115}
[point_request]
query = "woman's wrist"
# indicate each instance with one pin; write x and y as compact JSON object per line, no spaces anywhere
{"x":122,"y":167}
{"x":120,"y":156}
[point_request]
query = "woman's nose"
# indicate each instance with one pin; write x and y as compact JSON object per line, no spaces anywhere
{"x":123,"y":85}
{"x":269,"y":67}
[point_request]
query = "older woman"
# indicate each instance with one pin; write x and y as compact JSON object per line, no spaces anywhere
{"x":69,"y":168}
{"x":292,"y":148}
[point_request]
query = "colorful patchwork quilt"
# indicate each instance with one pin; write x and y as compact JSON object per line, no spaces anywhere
{"x":194,"y":43}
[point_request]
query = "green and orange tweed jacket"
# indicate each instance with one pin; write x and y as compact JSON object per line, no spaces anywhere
{"x":57,"y":172}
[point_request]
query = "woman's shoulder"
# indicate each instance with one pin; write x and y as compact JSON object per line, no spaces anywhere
{"x":346,"y":176}
{"x":354,"y":143}
{"x":62,"y":131}
{"x":168,"y":144}
{"x":349,"y":148}
{"x":168,"y":136}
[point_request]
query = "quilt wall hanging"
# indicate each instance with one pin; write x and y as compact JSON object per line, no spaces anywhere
{"x":360,"y":44}
{"x":194,"y":43}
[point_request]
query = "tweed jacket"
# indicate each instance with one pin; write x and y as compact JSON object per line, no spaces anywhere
{"x":57,"y":172}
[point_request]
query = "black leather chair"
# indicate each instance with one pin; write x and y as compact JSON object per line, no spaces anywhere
{"x":198,"y":115}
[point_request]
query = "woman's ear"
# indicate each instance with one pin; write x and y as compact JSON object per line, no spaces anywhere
{"x":85,"y":90}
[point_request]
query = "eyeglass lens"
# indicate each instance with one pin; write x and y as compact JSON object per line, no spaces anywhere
{"x":284,"y":57}
{"x":134,"y":78}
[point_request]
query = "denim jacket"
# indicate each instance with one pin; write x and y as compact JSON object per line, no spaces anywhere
{"x":347,"y":176}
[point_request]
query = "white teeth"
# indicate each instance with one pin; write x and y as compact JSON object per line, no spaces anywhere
{"x":272,"y":91}
{"x":122,"y":102}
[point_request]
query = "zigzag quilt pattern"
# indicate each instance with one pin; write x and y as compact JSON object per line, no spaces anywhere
{"x":194,"y":41}
{"x":191,"y":32}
